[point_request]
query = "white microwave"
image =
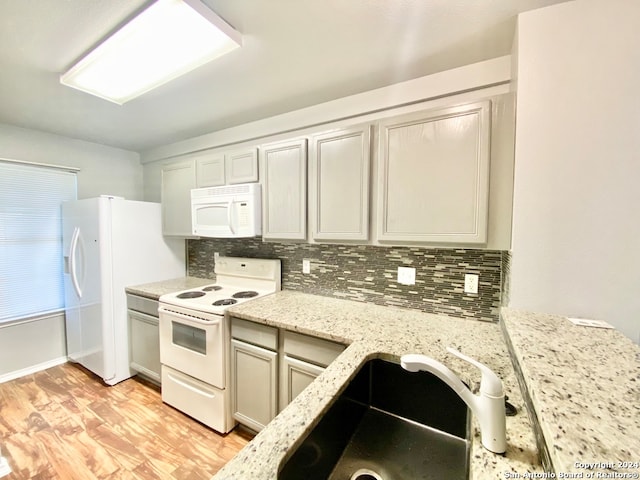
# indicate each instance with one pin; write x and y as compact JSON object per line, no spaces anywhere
{"x":232,"y":211}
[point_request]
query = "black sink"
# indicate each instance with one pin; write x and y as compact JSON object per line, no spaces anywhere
{"x":388,"y":424}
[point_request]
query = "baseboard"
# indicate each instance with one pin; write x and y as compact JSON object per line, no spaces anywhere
{"x":32,"y":369}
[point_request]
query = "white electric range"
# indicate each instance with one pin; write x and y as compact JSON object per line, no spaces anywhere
{"x":194,"y":337}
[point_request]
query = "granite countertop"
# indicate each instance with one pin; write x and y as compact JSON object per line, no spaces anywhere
{"x":373,"y":331}
{"x":156,"y":289}
{"x":584,"y":386}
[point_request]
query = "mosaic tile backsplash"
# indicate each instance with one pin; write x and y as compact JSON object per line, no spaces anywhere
{"x":367,"y":273}
{"x":506,"y":276}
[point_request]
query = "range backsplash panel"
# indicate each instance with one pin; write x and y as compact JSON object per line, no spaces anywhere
{"x":368,"y":273}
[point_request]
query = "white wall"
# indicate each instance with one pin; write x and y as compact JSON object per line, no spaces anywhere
{"x":31,"y":346}
{"x":576,"y":218}
{"x":430,"y":87}
{"x":103,"y":170}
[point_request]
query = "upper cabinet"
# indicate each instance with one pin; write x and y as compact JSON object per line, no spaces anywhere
{"x":284,"y":180}
{"x":209,"y":169}
{"x":434,"y":176}
{"x":339,"y":184}
{"x":178,"y":179}
{"x":431,"y":186}
{"x":242,"y":166}
{"x":222,"y":168}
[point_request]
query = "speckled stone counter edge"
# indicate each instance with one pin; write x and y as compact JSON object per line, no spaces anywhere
{"x":378,"y":332}
{"x":584,"y":385}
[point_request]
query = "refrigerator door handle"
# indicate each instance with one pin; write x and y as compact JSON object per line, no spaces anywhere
{"x":72,"y":261}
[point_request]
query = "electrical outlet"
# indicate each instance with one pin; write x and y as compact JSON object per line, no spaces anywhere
{"x":306,"y":266}
{"x":471,"y":283}
{"x":407,"y":275}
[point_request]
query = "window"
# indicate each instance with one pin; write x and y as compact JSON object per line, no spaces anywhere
{"x":31,"y":277}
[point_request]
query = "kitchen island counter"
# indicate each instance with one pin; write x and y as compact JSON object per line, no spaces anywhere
{"x":373,"y":331}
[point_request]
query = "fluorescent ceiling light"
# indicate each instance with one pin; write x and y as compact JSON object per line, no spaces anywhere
{"x":166,"y":40}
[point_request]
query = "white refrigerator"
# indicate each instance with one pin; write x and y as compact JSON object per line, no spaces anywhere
{"x":110,"y":243}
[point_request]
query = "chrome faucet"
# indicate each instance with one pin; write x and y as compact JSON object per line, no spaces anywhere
{"x":488,"y":406}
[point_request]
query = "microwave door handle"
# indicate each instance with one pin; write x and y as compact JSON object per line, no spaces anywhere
{"x":229,"y":216}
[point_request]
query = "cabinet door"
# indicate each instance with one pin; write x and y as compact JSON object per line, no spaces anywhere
{"x":177,"y":181}
{"x":144,"y":340}
{"x":295,"y":376}
{"x":254,"y":384}
{"x":284,"y":182}
{"x":242,"y":166}
{"x":209,"y":169}
{"x":434,"y":176}
{"x":339,"y":184}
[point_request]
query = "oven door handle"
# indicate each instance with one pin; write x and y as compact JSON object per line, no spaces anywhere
{"x":187,"y":318}
{"x":188,"y":386}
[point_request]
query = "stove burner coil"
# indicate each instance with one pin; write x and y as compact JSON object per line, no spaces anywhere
{"x":224,"y":302}
{"x":191,"y":295}
{"x":212,"y":288}
{"x":245,"y":294}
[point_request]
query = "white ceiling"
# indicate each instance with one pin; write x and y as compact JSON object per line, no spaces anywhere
{"x":296,"y":53}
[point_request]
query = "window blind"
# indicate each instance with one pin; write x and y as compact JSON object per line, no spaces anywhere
{"x":31,"y":277}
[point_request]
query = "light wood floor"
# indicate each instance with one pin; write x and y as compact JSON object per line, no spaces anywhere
{"x":64,"y":423}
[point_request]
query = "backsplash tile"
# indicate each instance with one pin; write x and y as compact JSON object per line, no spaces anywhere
{"x":368,"y":273}
{"x":506,"y":276}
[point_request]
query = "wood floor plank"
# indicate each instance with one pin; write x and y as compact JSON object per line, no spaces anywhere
{"x":62,"y":456}
{"x":21,"y":414}
{"x":74,"y":429}
{"x":27,"y":458}
{"x":65,"y":424}
{"x":190,"y":470}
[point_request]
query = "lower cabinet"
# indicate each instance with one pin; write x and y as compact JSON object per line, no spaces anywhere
{"x":303,"y":359}
{"x":254,"y":373}
{"x":270,"y":367}
{"x":144,"y":337}
{"x":254,"y":384}
{"x":296,"y":375}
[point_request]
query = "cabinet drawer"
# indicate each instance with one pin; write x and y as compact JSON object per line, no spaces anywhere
{"x":255,"y":333}
{"x":142,"y":304}
{"x":202,"y":401}
{"x":315,"y":350}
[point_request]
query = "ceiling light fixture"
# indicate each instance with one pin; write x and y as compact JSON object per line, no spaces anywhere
{"x":166,"y":40}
